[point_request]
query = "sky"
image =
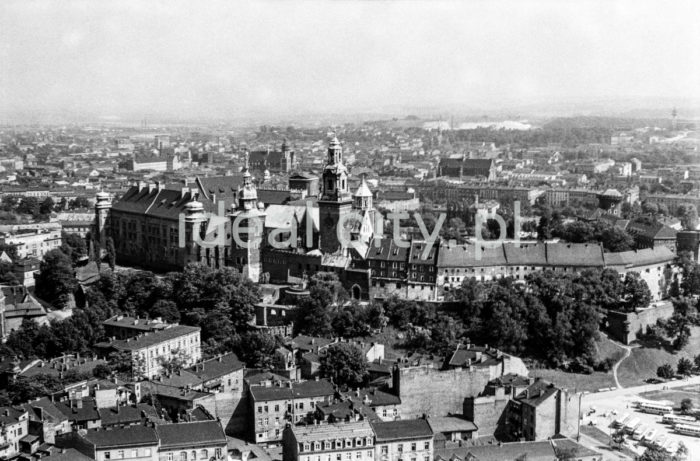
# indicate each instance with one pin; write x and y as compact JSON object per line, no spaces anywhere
{"x":232,"y":58}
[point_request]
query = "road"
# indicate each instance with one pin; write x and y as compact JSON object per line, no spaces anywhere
{"x":621,"y":401}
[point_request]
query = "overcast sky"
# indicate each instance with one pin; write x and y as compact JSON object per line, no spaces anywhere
{"x":227,"y":58}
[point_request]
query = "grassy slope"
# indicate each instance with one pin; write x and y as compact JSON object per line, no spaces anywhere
{"x":583,"y":382}
{"x":644,"y":361}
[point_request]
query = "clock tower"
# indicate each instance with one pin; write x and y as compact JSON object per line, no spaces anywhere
{"x":335,"y":200}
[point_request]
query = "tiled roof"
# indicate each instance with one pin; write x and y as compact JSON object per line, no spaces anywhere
{"x":87,"y":412}
{"x":402,"y":429}
{"x":131,"y":436}
{"x":578,"y":254}
{"x":448,"y":424}
{"x":129,"y":414}
{"x":300,"y":390}
{"x":66,"y":454}
{"x":387,"y":250}
{"x":321,"y":432}
{"x":193,"y":434}
{"x":537,"y":392}
{"x":10,"y":415}
{"x":309,"y":343}
{"x":635,"y":258}
{"x":217,"y":367}
{"x":416,"y":254}
{"x":152,"y":338}
{"x":45,"y":408}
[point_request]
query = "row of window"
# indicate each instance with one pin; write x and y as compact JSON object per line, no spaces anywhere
{"x":336,"y":444}
{"x":339,"y":457}
{"x":182,"y":456}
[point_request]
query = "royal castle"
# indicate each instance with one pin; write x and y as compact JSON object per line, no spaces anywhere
{"x":164,"y":228}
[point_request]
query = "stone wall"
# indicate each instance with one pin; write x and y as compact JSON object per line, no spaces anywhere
{"x":626,"y":326}
{"x":427,"y":390}
{"x":487,"y":413}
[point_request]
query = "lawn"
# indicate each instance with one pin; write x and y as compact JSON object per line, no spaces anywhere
{"x":675,"y":396}
{"x":575,"y":381}
{"x":644,"y":361}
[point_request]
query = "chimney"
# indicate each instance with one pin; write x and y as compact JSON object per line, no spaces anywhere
{"x":151,"y":187}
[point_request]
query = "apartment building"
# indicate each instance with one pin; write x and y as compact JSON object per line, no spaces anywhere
{"x":14,"y":424}
{"x":150,"y":350}
{"x":351,"y":441}
{"x":273,"y":405}
{"x":403,"y":440}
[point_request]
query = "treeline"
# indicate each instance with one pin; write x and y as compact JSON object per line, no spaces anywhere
{"x":220,"y":301}
{"x":554,"y":318}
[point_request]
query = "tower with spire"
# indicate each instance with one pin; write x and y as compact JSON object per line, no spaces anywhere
{"x":248,"y":222}
{"x":335,"y":200}
{"x":362,"y":204}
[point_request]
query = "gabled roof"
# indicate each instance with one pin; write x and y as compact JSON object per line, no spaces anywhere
{"x":132,"y":436}
{"x":385,"y":249}
{"x":656,"y":230}
{"x":192,"y":434}
{"x":644,"y":257}
{"x":152,"y":338}
{"x":537,"y":393}
{"x":303,"y":389}
{"x":404,"y":429}
{"x":416,"y":253}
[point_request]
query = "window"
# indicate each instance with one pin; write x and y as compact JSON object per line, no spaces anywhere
{"x":147,"y":452}
{"x":108,"y":455}
{"x":218,"y":452}
{"x":413,"y":446}
{"x":427,"y":445}
{"x":317,"y":446}
{"x":358,"y":455}
{"x":369,"y":453}
{"x":399,"y":447}
{"x":169,"y":456}
{"x":277,"y":408}
{"x":307,"y":447}
{"x":259,"y":408}
{"x":120,"y":454}
{"x":183,"y":456}
{"x":385,"y":449}
{"x":204,"y":454}
{"x":135,"y":453}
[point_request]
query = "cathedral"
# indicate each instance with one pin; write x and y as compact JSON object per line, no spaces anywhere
{"x":222,"y":222}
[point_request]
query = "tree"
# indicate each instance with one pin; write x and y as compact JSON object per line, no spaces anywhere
{"x":177,"y":361}
{"x":101,"y":371}
{"x":344,"y":364}
{"x":686,"y":406}
{"x":256,"y":349}
{"x":685,"y":366}
{"x":165,"y":309}
{"x":46,"y":207}
{"x":636,"y":293}
{"x":29,"y":205}
{"x":56,"y":280}
{"x":111,"y":253}
{"x":23,"y":389}
{"x":73,"y":246}
{"x":665,"y":371}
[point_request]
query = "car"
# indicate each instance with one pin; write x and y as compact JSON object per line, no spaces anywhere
{"x":654,"y":380}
